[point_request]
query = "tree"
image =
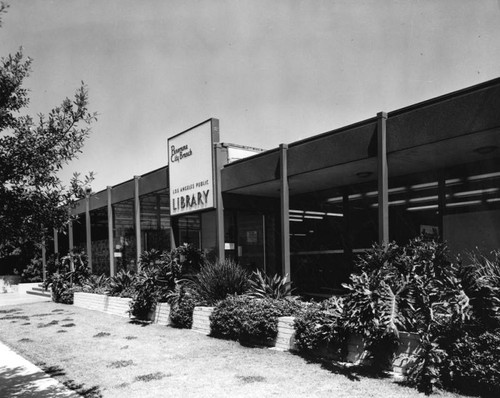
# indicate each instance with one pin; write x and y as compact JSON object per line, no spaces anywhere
{"x":33,"y":199}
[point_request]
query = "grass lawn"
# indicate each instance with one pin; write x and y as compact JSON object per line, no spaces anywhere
{"x":108,"y":356}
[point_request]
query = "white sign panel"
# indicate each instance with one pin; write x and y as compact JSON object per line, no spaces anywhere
{"x":190,"y":165}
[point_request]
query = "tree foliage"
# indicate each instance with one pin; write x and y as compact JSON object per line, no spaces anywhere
{"x":33,"y":150}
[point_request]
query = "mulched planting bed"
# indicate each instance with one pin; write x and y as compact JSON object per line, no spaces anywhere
{"x":99,"y":356}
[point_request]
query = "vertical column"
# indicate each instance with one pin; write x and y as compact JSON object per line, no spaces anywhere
{"x":383,"y":179}
{"x":71,"y":244}
{"x":137,"y":216}
{"x":441,"y":203}
{"x":219,"y":206}
{"x":285,"y":211}
{"x":56,"y":242}
{"x":44,"y":261}
{"x":87,"y":229}
{"x":346,"y":225}
{"x":111,"y":246}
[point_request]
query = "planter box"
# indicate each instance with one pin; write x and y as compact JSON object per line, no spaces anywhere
{"x":201,"y":319}
{"x":118,"y":306}
{"x":99,"y":302}
{"x":9,"y":283}
{"x":285,"y":340}
{"x":404,"y":356}
{"x":162,"y":314}
{"x":407,"y":352}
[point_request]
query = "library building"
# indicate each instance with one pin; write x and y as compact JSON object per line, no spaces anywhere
{"x":309,"y":208}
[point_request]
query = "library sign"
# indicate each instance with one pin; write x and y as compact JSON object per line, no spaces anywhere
{"x":191,"y":168}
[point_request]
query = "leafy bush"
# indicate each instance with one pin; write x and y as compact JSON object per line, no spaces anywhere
{"x":319,"y":325}
{"x":33,"y":272}
{"x":122,"y":284}
{"x":217,"y":280}
{"x":71,"y":271}
{"x":182,"y":304}
{"x":244,"y":317}
{"x":480,"y":278}
{"x":411,"y":288}
{"x":97,"y":284}
{"x":145,"y":296}
{"x":263,"y":286}
{"x":472,"y":362}
{"x":61,"y":287}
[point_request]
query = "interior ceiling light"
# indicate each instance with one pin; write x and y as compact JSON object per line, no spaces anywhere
{"x":314,"y":217}
{"x":364,"y":174}
{"x":475,"y":192}
{"x":484,"y":176}
{"x":334,"y":214}
{"x":484,"y":150}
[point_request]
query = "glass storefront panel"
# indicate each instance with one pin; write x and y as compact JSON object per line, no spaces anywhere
{"x":124,"y":235}
{"x":155,"y":221}
{"x":100,"y":241}
{"x":472,"y":211}
{"x":189,"y":227}
{"x":80,"y":233}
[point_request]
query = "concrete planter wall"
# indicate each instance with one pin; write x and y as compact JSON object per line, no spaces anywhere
{"x":22,"y":288}
{"x":162,"y":314}
{"x":201,"y":319}
{"x":99,"y":302}
{"x":118,"y":306}
{"x":9,"y":283}
{"x":285,"y":340}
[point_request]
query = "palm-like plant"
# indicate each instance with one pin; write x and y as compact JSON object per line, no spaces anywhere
{"x":263,"y":286}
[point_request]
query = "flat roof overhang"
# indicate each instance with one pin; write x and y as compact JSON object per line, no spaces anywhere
{"x":436,"y":134}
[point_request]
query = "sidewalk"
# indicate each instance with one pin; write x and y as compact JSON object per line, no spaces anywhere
{"x":20,"y":298}
{"x":20,"y":378}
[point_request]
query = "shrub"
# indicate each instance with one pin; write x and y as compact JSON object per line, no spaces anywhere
{"x":247,"y":318}
{"x":61,"y":288}
{"x":72,"y":271}
{"x":411,"y":288}
{"x":319,"y":325}
{"x":122,"y":284}
{"x":145,"y":296}
{"x":181,"y":308}
{"x":33,"y":272}
{"x":263,"y":286}
{"x":480,"y":278}
{"x":97,"y":284}
{"x":217,"y":280}
{"x":472,"y":362}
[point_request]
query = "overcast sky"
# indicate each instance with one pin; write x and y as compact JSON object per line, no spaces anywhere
{"x":272,"y":71}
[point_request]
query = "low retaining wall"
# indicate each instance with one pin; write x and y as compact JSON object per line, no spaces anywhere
{"x":9,"y":283}
{"x":118,"y":306}
{"x":99,"y":302}
{"x":22,"y":288}
{"x":285,"y":340}
{"x":201,"y":319}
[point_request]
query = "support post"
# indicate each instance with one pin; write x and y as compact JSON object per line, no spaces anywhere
{"x":219,"y":207}
{"x":111,"y":246}
{"x":137,"y":216}
{"x":441,"y":204}
{"x":71,"y":244}
{"x":383,"y":179}
{"x":56,"y":242}
{"x":44,"y":261}
{"x":87,"y":229}
{"x":285,"y":211}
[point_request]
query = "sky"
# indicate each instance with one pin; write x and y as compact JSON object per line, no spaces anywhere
{"x":271,"y":71}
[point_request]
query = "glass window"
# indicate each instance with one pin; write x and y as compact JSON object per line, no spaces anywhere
{"x":80,"y":233}
{"x":189,"y":229}
{"x":100,"y":241}
{"x":155,"y":221}
{"x":124,"y":235}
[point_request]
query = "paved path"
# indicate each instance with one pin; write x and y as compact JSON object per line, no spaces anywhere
{"x":18,"y":376}
{"x":20,"y":298}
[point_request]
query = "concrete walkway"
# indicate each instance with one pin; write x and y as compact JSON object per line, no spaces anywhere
{"x":18,"y":376}
{"x":20,"y":298}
